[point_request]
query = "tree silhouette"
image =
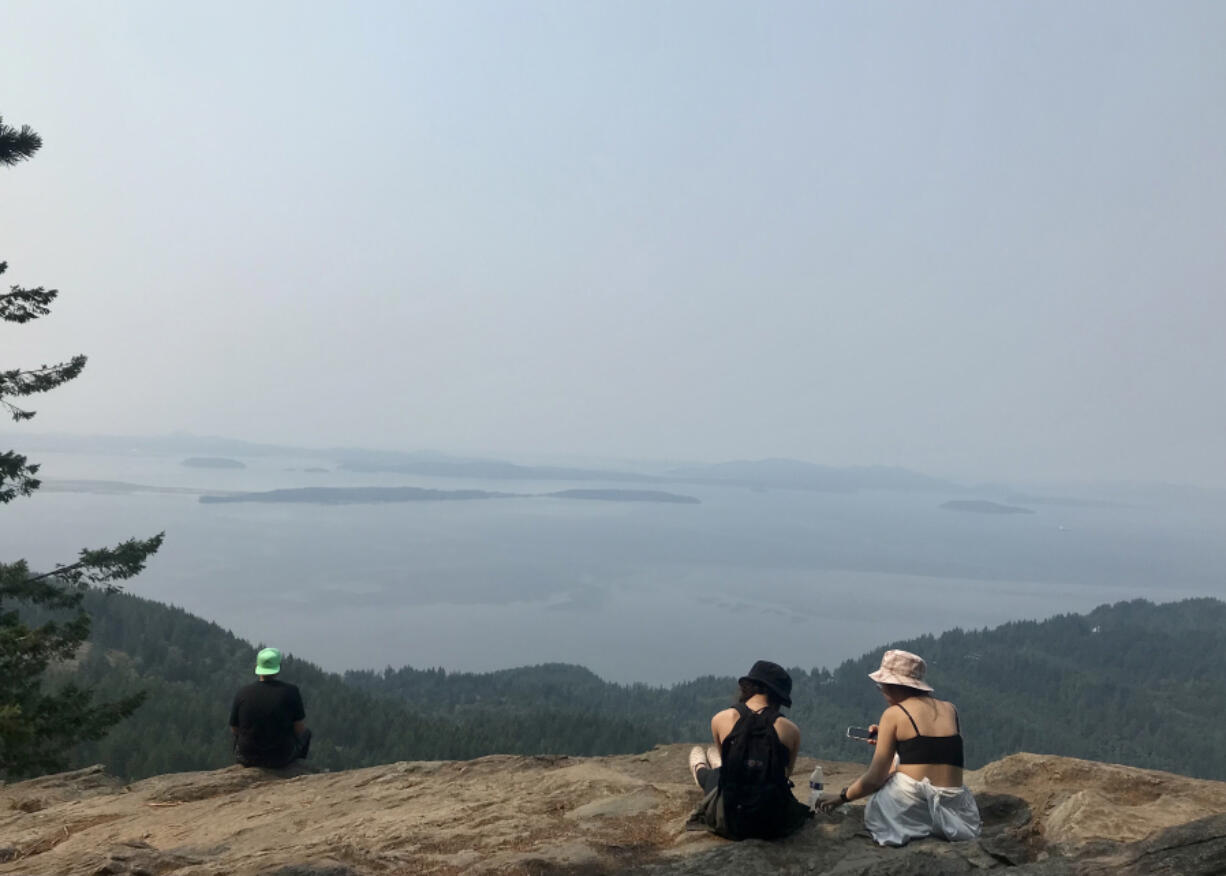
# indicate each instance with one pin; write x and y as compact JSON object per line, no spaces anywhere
{"x":38,"y":727}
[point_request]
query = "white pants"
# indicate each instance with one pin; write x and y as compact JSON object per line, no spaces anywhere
{"x":905,"y":809}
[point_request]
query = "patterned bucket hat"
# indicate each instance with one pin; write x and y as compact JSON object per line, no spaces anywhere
{"x":902,"y":667}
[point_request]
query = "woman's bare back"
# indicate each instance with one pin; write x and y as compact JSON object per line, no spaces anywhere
{"x":932,"y":717}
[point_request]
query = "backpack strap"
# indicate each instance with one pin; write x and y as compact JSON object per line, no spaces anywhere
{"x":770,"y":714}
{"x":742,"y":712}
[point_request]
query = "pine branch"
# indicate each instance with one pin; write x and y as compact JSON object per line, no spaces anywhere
{"x":17,"y":476}
{"x":22,"y":305}
{"x":22,"y":383}
{"x":17,"y":144}
{"x":103,"y":565}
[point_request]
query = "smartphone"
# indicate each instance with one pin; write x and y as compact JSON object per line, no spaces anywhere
{"x":861,"y":733}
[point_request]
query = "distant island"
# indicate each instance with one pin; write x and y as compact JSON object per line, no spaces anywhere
{"x":212,"y":462}
{"x":625,"y":496}
{"x":356,"y":495}
{"x":758,"y":475}
{"x":1063,"y":501}
{"x":982,"y":506}
{"x":372,"y":495}
{"x":439,"y":466}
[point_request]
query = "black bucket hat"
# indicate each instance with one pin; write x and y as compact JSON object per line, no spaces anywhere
{"x":774,"y":677}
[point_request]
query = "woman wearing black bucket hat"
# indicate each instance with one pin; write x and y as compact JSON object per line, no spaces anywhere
{"x":745,"y":773}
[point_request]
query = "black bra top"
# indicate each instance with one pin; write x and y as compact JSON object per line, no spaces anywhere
{"x":920,"y":749}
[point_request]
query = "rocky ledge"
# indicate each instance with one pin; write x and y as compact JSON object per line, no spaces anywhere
{"x":549,"y":816}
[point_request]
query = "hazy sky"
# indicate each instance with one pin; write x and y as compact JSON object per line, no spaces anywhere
{"x":977,"y":239}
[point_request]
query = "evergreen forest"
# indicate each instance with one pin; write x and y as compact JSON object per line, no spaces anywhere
{"x":1133,"y":683}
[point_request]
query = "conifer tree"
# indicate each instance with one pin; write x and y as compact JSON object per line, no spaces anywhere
{"x":39,"y":726}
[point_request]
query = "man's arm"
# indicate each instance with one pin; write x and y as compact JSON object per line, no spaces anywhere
{"x":299,"y":713}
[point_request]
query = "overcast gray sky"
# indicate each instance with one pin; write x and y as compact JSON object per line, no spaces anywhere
{"x":976,"y":239}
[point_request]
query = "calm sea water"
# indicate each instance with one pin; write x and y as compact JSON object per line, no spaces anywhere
{"x":637,"y":592}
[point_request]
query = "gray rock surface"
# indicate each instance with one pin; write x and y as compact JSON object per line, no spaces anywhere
{"x":561,"y":816}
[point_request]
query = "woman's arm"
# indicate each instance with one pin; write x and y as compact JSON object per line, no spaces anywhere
{"x":883,"y":759}
{"x":722,"y":724}
{"x":878,"y":771}
{"x":789,"y":735}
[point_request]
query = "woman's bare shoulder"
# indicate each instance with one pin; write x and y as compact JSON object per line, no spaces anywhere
{"x":891,"y":713}
{"x":722,"y":723}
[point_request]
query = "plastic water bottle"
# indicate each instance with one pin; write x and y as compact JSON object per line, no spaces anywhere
{"x":816,"y":783}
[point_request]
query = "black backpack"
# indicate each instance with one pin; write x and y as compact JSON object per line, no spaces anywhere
{"x":757,"y":796}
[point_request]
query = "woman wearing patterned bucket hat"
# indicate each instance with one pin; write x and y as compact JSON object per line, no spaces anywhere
{"x":922,"y":794}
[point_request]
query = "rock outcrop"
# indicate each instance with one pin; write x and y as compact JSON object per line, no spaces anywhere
{"x":549,"y":816}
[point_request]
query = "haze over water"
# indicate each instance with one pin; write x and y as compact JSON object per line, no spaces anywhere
{"x":637,"y":592}
{"x":979,"y":240}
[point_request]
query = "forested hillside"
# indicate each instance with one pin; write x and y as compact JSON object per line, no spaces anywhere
{"x":1132,"y":683}
{"x":192,"y":668}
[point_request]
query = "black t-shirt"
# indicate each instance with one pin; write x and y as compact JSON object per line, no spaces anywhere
{"x":264,"y":713}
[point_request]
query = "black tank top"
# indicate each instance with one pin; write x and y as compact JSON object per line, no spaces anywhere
{"x":945,"y":750}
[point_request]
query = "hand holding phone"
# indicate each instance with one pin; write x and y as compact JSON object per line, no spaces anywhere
{"x":864,"y":734}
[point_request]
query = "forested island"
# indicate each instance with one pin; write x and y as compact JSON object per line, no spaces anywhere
{"x":437,"y":465}
{"x":982,"y":506}
{"x":370,"y":495}
{"x":1132,"y":683}
{"x":355,"y":495}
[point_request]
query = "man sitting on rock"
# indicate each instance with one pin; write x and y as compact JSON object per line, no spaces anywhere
{"x":267,"y":719}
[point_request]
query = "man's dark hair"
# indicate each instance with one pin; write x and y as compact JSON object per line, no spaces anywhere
{"x":750,"y":688}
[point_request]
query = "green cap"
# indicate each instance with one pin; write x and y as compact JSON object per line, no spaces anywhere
{"x":268,"y":662}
